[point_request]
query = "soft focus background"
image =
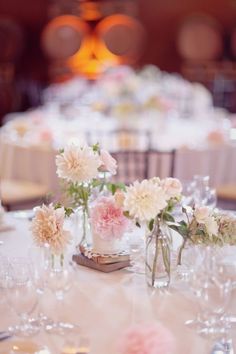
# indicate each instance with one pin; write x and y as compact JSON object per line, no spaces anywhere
{"x":195,"y":38}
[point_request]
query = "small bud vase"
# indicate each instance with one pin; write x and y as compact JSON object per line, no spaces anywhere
{"x":157,"y":260}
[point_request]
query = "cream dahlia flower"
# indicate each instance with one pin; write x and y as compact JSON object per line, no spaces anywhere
{"x":144,"y":200}
{"x":47,"y":228}
{"x":78,"y":164}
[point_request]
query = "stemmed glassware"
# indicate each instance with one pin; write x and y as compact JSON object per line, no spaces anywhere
{"x":57,"y":278}
{"x":211,"y":288}
{"x":21,"y":295}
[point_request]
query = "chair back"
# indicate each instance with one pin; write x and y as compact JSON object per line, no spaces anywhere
{"x":132,"y":165}
{"x":120,"y":139}
{"x":138,"y":165}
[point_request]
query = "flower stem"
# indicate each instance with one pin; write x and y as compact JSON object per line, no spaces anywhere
{"x":156,"y":254}
{"x":180,"y":251}
{"x":62,"y":260}
{"x":83,"y":239}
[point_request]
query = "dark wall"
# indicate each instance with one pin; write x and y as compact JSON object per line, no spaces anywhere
{"x":161,"y":19}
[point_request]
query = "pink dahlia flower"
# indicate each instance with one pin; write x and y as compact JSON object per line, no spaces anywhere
{"x":107,"y":219}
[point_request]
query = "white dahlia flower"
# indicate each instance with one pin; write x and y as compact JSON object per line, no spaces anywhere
{"x":144,"y":200}
{"x":78,"y":164}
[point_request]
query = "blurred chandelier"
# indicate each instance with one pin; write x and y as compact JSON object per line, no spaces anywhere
{"x":87,"y":36}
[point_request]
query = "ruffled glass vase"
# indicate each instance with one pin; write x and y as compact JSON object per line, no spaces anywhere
{"x":158,"y":256}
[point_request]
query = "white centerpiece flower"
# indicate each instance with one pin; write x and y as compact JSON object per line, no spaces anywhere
{"x":78,"y":164}
{"x":144,"y":200}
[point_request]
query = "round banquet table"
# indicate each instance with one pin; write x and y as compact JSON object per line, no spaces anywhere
{"x":30,"y":141}
{"x":104,"y":305}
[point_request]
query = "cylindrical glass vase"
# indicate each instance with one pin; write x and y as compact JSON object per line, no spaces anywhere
{"x":158,"y":257}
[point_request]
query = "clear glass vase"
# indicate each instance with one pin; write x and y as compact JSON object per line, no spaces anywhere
{"x":158,"y":257}
{"x":82,"y":232}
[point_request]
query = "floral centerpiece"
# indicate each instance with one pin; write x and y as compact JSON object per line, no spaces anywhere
{"x":48,"y":230}
{"x":207,"y":227}
{"x":151,"y":202}
{"x":80,"y":167}
{"x":108,"y":224}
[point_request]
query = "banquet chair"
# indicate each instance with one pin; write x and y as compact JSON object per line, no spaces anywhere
{"x":120,"y":139}
{"x":17,"y":194}
{"x":161,"y":163}
{"x":138,"y":165}
{"x":132,"y":165}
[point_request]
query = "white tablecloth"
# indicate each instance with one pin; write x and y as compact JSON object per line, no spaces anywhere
{"x":106,"y":304}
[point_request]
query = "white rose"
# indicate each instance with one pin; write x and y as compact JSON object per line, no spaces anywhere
{"x":172,"y":187}
{"x":202,"y":214}
{"x":211,"y":226}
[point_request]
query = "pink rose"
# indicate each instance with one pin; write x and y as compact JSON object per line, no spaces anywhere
{"x":109,"y":164}
{"x":107,"y":219}
{"x":172,"y":187}
{"x":147,"y":339}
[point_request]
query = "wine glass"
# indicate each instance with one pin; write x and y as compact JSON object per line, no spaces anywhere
{"x":210,"y":198}
{"x":22,"y":295}
{"x":59,"y":281}
{"x":201,"y":186}
{"x":39,"y":259}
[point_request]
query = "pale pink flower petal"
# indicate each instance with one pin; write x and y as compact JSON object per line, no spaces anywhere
{"x":47,"y":228}
{"x":107,"y":219}
{"x":109,"y":164}
{"x":146,"y":339}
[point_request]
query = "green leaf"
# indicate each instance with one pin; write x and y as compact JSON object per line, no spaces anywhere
{"x":168,"y":217}
{"x":96,"y":147}
{"x":150,"y":225}
{"x":113,"y":189}
{"x":68,"y":211}
{"x":126,"y":213}
{"x":121,"y":186}
{"x":61,"y":151}
{"x":57,"y":206}
{"x":200,"y":232}
{"x":183,"y":223}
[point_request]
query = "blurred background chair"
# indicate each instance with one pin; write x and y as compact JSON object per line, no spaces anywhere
{"x":138,"y":165}
{"x":132,"y":165}
{"x":120,"y":139}
{"x":16,"y":194}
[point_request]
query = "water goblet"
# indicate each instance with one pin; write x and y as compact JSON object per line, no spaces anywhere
{"x":22,"y":296}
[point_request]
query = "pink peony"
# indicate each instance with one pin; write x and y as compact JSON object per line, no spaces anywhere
{"x":109,"y":164}
{"x":147,"y":339}
{"x":107,"y":219}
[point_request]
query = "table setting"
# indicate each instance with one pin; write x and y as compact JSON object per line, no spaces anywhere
{"x":114,"y":268}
